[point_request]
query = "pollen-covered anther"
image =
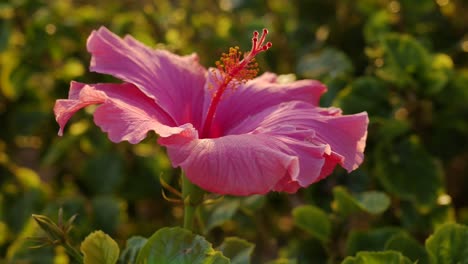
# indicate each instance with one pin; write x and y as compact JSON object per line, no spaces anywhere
{"x":236,"y":67}
{"x":233,"y":69}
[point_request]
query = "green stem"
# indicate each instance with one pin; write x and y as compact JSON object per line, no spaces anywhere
{"x":73,"y":252}
{"x":193,"y":197}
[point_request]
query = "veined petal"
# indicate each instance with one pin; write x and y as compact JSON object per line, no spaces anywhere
{"x":311,"y":131}
{"x":124,"y":112}
{"x":311,"y":162}
{"x":174,"y":82}
{"x":312,"y":168}
{"x":256,"y":95}
{"x":237,"y":165}
{"x":282,"y":148}
{"x":77,"y":99}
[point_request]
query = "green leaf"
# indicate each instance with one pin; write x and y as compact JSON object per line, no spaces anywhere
{"x":405,"y":60}
{"x":377,"y":26}
{"x":331,"y":63}
{"x":449,"y":244}
{"x":334,"y":87}
{"x":390,"y":130}
{"x":5,"y":33}
{"x":253,"y":203}
{"x":441,"y":71}
{"x":221,"y":212}
{"x":238,"y":250}
{"x":313,"y":220}
{"x":179,"y":246}
{"x":21,"y":206}
{"x":130,"y":253}
{"x":72,"y":68}
{"x":366,"y":94}
{"x":373,"y":202}
{"x":385,"y":257}
{"x":408,"y":246}
{"x":448,"y":137}
{"x":58,"y":149}
{"x":20,"y":250}
{"x":344,"y":203}
{"x":283,"y":261}
{"x":98,"y":247}
{"x":408,"y":171}
{"x":106,"y":213}
{"x":8,"y":87}
{"x":416,"y":11}
{"x":103,"y":173}
{"x":3,"y":233}
{"x":421,"y":220}
{"x":372,"y":240}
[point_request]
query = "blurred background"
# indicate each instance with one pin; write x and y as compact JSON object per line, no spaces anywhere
{"x":404,"y":62}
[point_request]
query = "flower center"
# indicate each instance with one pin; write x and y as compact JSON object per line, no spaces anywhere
{"x":232,"y":70}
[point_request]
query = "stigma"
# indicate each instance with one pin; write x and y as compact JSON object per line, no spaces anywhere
{"x":233,"y":69}
{"x":236,"y":67}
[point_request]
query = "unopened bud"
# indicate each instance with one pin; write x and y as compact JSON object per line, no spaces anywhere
{"x":49,"y":227}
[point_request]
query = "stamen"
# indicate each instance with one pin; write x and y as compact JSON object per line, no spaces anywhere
{"x":233,"y":69}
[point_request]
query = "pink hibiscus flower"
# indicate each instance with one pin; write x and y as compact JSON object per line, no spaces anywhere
{"x":230,"y":133}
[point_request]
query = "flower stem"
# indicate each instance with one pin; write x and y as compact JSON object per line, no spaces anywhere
{"x":193,"y":197}
{"x":73,"y":253}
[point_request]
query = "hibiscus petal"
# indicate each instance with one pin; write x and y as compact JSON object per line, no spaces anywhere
{"x":175,"y":83}
{"x":282,"y":148}
{"x":319,"y":137}
{"x":65,"y":108}
{"x":124,"y":112}
{"x":309,"y":172}
{"x":256,"y":95}
{"x":236,"y":165}
{"x":311,"y":162}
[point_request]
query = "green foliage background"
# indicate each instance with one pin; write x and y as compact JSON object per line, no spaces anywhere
{"x":404,"y":62}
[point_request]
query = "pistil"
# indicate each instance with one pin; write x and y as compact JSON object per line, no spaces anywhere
{"x":232,"y":71}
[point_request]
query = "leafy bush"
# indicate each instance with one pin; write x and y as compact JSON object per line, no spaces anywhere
{"x":404,"y":62}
